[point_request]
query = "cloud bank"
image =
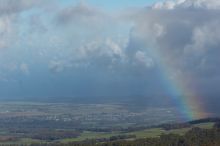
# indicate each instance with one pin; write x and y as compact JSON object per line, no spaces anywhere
{"x":65,"y":50}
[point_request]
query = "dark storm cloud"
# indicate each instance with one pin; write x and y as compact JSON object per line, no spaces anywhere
{"x":186,"y":35}
{"x":15,"y":6}
{"x":80,"y":47}
{"x":184,"y":32}
{"x":183,"y":37}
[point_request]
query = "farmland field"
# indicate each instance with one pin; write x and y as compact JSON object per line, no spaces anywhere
{"x":26,"y":123}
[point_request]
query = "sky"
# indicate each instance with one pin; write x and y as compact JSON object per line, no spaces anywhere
{"x":113,"y":4}
{"x":129,"y":49}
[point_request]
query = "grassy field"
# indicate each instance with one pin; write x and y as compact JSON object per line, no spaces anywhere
{"x":91,"y":135}
{"x":148,"y":133}
{"x":205,"y":125}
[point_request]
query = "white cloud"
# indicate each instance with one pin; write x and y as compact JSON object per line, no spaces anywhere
{"x":24,"y":68}
{"x":83,"y":16}
{"x":142,"y":58}
{"x":56,"y":66}
{"x":186,"y":4}
{"x":205,"y":38}
{"x":8,"y":31}
{"x":159,"y":30}
{"x":165,"y":5}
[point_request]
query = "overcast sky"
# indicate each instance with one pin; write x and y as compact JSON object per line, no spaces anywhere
{"x":111,"y":48}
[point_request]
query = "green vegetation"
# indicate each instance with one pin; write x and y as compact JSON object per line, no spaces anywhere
{"x":147,"y":133}
{"x":91,"y":135}
{"x":194,"y":137}
{"x":207,"y":125}
{"x":28,"y":123}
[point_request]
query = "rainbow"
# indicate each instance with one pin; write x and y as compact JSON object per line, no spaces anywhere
{"x":188,"y":102}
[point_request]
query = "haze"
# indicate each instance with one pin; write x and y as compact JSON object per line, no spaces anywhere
{"x":95,"y":50}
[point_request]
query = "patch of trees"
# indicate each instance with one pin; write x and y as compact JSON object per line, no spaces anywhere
{"x":175,"y":126}
{"x":112,"y":138}
{"x":187,"y":124}
{"x":195,"y":137}
{"x":206,"y":120}
{"x":217,"y":125}
{"x":121,"y":137}
{"x":51,"y":135}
